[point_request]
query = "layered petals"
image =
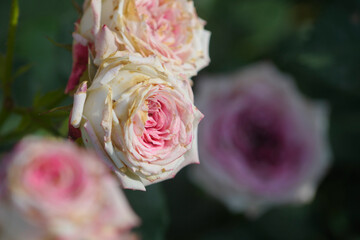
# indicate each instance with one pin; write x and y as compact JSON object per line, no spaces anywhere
{"x":170,"y":30}
{"x":263,"y":143}
{"x":141,"y":119}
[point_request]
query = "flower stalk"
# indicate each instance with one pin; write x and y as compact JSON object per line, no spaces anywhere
{"x":7,"y":79}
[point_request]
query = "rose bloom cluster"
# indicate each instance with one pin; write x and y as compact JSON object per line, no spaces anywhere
{"x":133,"y":105}
{"x":133,"y":102}
{"x":54,"y":190}
{"x":263,"y":144}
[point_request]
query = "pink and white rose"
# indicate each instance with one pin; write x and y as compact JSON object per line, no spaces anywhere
{"x":54,"y":190}
{"x":262,"y":143}
{"x":168,"y":29}
{"x":140,"y":118}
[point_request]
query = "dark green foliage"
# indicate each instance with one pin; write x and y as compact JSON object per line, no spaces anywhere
{"x":152,"y":209}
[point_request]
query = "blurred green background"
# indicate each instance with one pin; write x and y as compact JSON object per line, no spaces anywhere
{"x":315,"y":41}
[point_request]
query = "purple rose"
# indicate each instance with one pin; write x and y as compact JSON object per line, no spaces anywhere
{"x":261,"y":142}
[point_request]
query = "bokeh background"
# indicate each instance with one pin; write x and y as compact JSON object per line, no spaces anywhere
{"x":315,"y":41}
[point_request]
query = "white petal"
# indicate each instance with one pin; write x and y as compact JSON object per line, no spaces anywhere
{"x":78,"y":108}
{"x":105,"y":44}
{"x":130,"y":181}
{"x":91,"y":140}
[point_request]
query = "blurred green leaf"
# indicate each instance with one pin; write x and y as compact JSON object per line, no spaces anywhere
{"x":42,"y":132}
{"x":151,"y":208}
{"x":38,"y":121}
{"x":317,"y":61}
{"x":23,"y":128}
{"x":23,"y":69}
{"x":49,"y":100}
{"x":64,"y":127}
{"x":327,"y":53}
{"x":204,"y":8}
{"x":58,"y":111}
{"x":67,"y":47}
{"x":11,"y":123}
{"x":265,"y":23}
{"x":77,"y":7}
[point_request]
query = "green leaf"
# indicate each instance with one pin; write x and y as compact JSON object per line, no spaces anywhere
{"x":58,"y":111}
{"x":64,"y":127}
{"x":262,"y":31}
{"x":67,"y":47}
{"x":204,"y":7}
{"x":11,"y":123}
{"x":77,"y":7}
{"x":23,"y":69}
{"x":151,"y":207}
{"x":43,"y":132}
{"x":316,"y":61}
{"x":25,"y":127}
{"x":49,"y":100}
{"x":50,"y":123}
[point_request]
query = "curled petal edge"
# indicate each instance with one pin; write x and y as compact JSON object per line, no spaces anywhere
{"x":78,"y":108}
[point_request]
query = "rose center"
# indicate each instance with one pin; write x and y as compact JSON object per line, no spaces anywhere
{"x":156,"y":132}
{"x":260,"y":139}
{"x":55,"y":176}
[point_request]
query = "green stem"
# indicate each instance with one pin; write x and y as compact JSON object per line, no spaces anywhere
{"x":7,"y":79}
{"x":37,"y":118}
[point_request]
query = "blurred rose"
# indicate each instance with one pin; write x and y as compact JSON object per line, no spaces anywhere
{"x":262,"y":143}
{"x":54,"y":190}
{"x":140,"y":118}
{"x":169,"y":29}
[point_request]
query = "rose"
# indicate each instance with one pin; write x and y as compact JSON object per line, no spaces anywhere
{"x":262,"y":143}
{"x":169,"y":29}
{"x":55,"y":190}
{"x":67,"y":190}
{"x":140,"y":118}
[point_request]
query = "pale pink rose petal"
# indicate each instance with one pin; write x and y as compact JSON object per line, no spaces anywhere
{"x":171,"y":30}
{"x":104,"y":44}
